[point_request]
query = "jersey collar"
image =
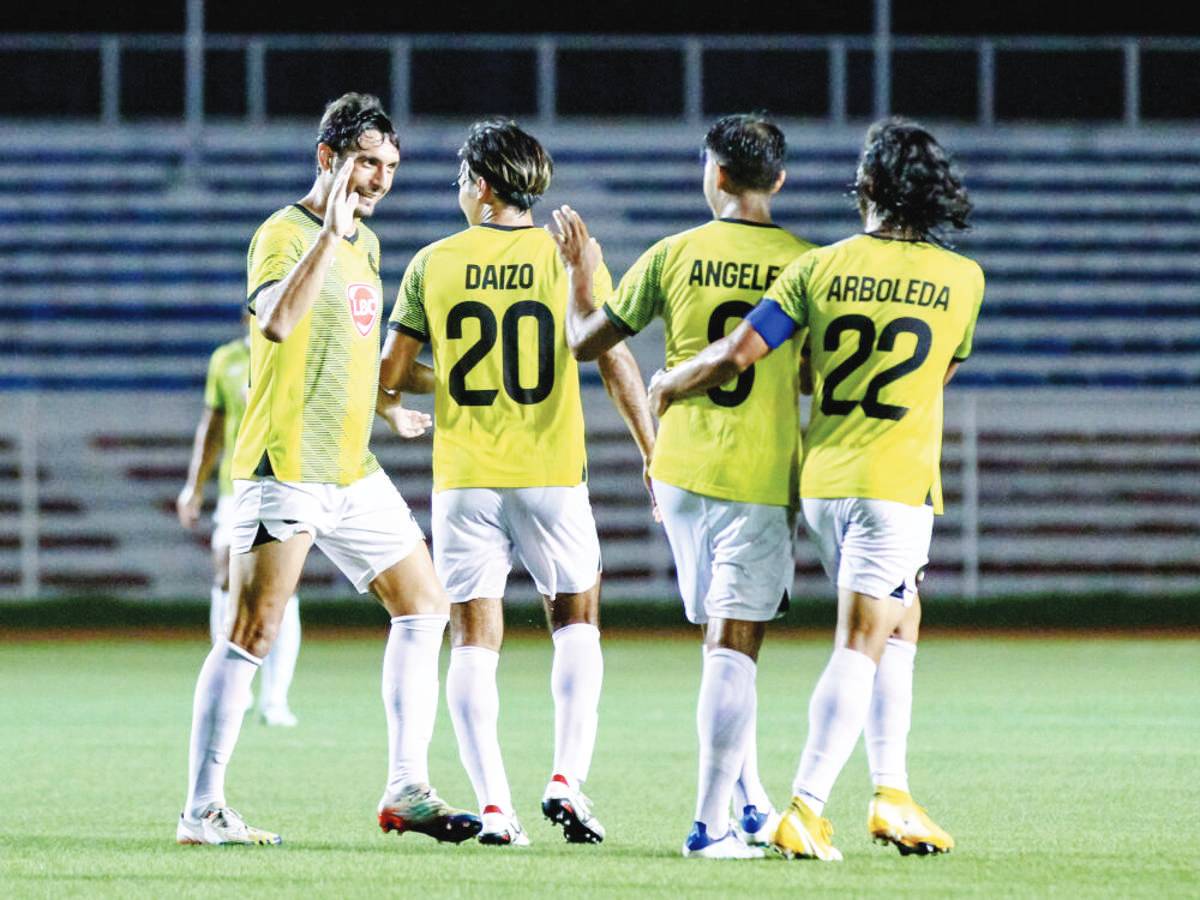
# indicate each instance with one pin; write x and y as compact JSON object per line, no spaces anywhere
{"x":505,"y":227}
{"x":748,"y":222}
{"x":353,"y":239}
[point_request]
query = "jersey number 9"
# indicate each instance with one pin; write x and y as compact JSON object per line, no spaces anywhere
{"x":735,"y":396}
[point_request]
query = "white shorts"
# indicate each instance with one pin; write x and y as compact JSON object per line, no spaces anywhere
{"x":874,"y":547}
{"x":732,"y":560}
{"x":364,"y":528}
{"x":550,"y":530}
{"x":222,"y":534}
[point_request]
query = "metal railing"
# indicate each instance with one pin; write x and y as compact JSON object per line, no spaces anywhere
{"x":550,"y":50}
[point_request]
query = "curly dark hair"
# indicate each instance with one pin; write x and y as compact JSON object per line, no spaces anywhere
{"x":750,"y":148}
{"x":911,"y":180}
{"x":512,"y":161}
{"x":347,"y":118}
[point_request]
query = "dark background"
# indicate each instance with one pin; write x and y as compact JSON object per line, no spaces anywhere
{"x":930,"y":17}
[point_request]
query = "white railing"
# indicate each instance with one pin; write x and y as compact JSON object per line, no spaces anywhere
{"x":550,"y":49}
{"x":1047,"y":491}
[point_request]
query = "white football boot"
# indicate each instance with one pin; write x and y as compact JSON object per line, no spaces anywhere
{"x":501,"y":829}
{"x":700,"y":846}
{"x":221,"y":825}
{"x":569,"y":807}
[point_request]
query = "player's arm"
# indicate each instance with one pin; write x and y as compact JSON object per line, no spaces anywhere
{"x":207,"y":444}
{"x":963,"y":350}
{"x":716,"y":364}
{"x":589,"y":331}
{"x":806,"y":375}
{"x":623,"y":380}
{"x":280,"y":306}
{"x":400,"y":371}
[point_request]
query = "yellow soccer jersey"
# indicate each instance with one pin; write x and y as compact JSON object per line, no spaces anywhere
{"x":492,"y":302}
{"x":739,"y":441}
{"x":886,"y":319}
{"x":312,"y":396}
{"x":225,"y":391}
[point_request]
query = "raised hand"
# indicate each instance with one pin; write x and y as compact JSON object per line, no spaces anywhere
{"x":342,"y":203}
{"x":576,"y":247}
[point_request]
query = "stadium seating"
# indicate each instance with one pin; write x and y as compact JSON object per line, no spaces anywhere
{"x":123,"y":264}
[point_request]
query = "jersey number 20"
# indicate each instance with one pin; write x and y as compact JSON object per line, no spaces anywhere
{"x":509,"y":346}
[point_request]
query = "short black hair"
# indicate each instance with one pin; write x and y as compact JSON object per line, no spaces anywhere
{"x":517,"y":167}
{"x":911,"y":179}
{"x":351,"y":115}
{"x":750,"y":148}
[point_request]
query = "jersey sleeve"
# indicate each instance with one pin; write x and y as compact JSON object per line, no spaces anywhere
{"x":408,"y":315}
{"x":790,"y":289}
{"x":213,"y":397}
{"x":274,"y":251}
{"x":965,"y":345}
{"x":639,"y":296}
{"x":602,"y":285}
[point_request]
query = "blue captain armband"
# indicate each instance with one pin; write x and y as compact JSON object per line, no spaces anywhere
{"x":770,"y":321}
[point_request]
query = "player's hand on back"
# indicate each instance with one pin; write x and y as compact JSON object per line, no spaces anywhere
{"x":339,"y":209}
{"x":578,"y":250}
{"x":407,"y":423}
{"x":187,"y":506}
{"x":658,"y":394}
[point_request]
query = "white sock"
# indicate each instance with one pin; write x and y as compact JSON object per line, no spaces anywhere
{"x":280,"y":664}
{"x":217,"y":710}
{"x":218,"y":614}
{"x":575,"y":681}
{"x":722,"y":714}
{"x":748,"y":790}
{"x":475,"y":709}
{"x":410,"y":696}
{"x":890,"y":717}
{"x":836,"y":715}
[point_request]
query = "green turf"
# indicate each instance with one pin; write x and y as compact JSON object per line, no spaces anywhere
{"x":1062,"y":768}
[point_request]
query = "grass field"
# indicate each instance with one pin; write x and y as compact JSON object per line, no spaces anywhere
{"x":1062,"y":767}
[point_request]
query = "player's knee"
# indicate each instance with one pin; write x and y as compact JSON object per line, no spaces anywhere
{"x":253,"y":634}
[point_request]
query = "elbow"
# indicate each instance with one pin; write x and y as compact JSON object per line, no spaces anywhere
{"x":273,"y":331}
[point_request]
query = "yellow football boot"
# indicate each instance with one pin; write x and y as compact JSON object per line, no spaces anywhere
{"x":894,"y":818}
{"x":802,"y":834}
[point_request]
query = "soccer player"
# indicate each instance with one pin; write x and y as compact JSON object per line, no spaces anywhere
{"x":891,"y":314}
{"x":303,"y":474}
{"x":224,"y":403}
{"x":725,"y":463}
{"x":509,"y":468}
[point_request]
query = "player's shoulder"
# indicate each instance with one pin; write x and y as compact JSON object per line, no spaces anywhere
{"x":289,"y":220}
{"x":451,"y":243}
{"x":960,"y":261}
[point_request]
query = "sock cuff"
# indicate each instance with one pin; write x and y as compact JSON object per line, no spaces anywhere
{"x":431,"y":623}
{"x":577,"y":631}
{"x":898,"y":648}
{"x":735,"y":658}
{"x":245,"y":654}
{"x":478,"y":655}
{"x":853,"y":663}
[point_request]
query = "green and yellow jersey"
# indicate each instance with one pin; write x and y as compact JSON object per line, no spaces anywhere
{"x":491,"y":300}
{"x":738,"y":441}
{"x":886,"y":318}
{"x":225,"y":391}
{"x":312,"y":396}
